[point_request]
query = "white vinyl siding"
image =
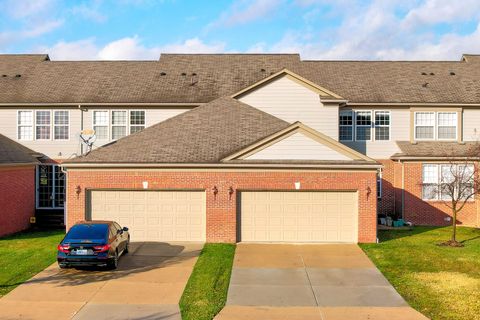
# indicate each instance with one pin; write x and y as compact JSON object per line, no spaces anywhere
{"x":298,"y":147}
{"x":471,"y":124}
{"x":291,"y":101}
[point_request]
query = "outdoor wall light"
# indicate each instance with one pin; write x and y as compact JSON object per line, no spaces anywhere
{"x":78,"y":190}
{"x":215,"y":191}
{"x":369,"y":191}
{"x":230,"y":192}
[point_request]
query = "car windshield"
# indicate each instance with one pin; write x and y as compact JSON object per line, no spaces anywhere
{"x":88,"y":231}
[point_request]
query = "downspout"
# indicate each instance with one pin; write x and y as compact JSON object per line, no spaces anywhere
{"x":403,"y":189}
{"x":81,"y":126}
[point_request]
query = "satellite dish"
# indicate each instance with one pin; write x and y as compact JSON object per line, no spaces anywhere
{"x":88,"y":137}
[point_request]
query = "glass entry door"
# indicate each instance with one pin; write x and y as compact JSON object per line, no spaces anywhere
{"x":50,"y":186}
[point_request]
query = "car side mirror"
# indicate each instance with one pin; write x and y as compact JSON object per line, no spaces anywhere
{"x":125,"y":229}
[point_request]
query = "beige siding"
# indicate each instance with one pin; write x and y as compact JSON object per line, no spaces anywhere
{"x":58,"y":149}
{"x":471,"y":124}
{"x":290,"y":101}
{"x":399,"y":131}
{"x":299,"y":216}
{"x":298,"y":147}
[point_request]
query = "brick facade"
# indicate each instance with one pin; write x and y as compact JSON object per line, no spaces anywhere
{"x":222,"y":209}
{"x":415,"y":209}
{"x":17,"y":203}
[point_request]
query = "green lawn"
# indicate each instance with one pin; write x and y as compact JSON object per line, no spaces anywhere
{"x":440,"y":282}
{"x":25,"y":254}
{"x":206,"y":290}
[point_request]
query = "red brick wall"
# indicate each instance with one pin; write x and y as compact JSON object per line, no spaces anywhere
{"x":221,"y":210}
{"x":17,"y":198}
{"x":432,"y":212}
{"x":386,"y":205}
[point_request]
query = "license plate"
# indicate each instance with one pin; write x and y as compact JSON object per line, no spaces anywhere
{"x":81,"y":252}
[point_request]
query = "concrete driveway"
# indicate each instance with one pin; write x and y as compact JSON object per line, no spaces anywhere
{"x":328,"y":282}
{"x":147,"y":285}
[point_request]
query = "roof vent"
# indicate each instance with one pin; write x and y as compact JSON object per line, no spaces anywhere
{"x":452,"y":73}
{"x":424,"y":73}
{"x":432,"y":74}
{"x":263,"y":70}
{"x":184,"y":74}
{"x":4,"y":75}
{"x":18,"y":75}
{"x":425,"y":85}
{"x":194,"y":74}
{"x":163,"y":74}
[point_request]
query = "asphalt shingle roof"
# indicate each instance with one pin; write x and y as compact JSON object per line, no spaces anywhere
{"x":201,"y":78}
{"x":12,"y":152}
{"x":437,"y":149}
{"x":205,"y":134}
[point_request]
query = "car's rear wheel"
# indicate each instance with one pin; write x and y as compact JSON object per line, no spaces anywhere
{"x":126,"y":246}
{"x":114,"y":262}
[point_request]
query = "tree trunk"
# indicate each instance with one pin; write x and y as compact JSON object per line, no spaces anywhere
{"x":454,"y":223}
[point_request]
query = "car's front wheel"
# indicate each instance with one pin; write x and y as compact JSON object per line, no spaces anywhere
{"x":62,"y":266}
{"x":126,"y":246}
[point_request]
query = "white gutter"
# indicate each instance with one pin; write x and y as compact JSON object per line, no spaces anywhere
{"x":413,"y":104}
{"x":208,"y":165}
{"x":76,"y":104}
{"x":435,"y":158}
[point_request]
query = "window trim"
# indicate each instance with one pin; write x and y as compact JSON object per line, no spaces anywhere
{"x":32,"y":125}
{"x":352,"y":112}
{"x":61,"y":125}
{"x":43,"y":125}
{"x":438,"y":197}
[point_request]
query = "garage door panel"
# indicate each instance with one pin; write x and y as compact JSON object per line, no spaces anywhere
{"x":299,"y":216}
{"x":153,"y":215}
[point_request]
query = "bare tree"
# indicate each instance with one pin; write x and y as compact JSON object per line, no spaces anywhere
{"x":459,"y":182}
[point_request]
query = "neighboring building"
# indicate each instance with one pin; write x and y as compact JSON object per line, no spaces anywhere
{"x":17,"y":186}
{"x":338,"y":116}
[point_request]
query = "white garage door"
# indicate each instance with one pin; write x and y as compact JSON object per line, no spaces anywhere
{"x":299,"y":216}
{"x":153,"y":215}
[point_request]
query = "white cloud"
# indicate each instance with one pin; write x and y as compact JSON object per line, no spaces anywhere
{"x":41,"y":28}
{"x":377,"y":31}
{"x":442,"y":11}
{"x":129,"y":48}
{"x":90,"y":12}
{"x":27,"y":8}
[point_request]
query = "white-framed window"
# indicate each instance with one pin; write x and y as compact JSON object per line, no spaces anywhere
{"x":447,"y":125}
{"x":119,"y":124}
{"x":25,"y":125}
{"x":43,"y":124}
{"x":382,"y":125}
{"x":101,"y":124}
{"x":363,"y":125}
{"x":137,"y":120}
{"x":346,"y":125}
{"x":430,"y":125}
{"x":61,"y":123}
{"x":435,"y":178}
{"x":424,"y":125}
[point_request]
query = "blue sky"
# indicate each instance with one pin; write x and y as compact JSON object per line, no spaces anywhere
{"x":317,"y":29}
